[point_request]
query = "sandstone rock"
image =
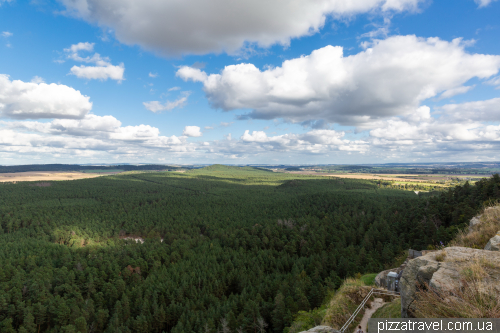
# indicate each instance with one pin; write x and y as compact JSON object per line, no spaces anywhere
{"x":381,"y":278}
{"x":494,"y":243}
{"x":321,"y":329}
{"x":473,"y":221}
{"x":443,"y":274}
{"x":477,"y":219}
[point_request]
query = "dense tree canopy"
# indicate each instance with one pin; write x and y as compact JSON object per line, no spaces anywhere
{"x":224,"y":246}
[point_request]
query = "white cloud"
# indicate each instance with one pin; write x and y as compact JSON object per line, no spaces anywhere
{"x":455,"y":91}
{"x":153,"y":75}
{"x":174,"y":88}
{"x":191,"y":73}
{"x":156,"y":106}
{"x":7,"y":34}
{"x":99,"y":72}
{"x":315,"y":141}
{"x":82,"y":46}
{"x":92,"y":136}
{"x":102,"y":71}
{"x":495,"y":82}
{"x":487,"y":110}
{"x":37,"y":79}
{"x":391,"y":78}
{"x":23,"y":100}
{"x":201,"y":27}
{"x":193,"y":131}
{"x":462,"y":132}
{"x":483,"y":3}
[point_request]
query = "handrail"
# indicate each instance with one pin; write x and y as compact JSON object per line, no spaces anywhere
{"x":355,"y":313}
{"x":349,"y":321}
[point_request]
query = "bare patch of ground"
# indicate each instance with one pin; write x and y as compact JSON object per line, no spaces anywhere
{"x":46,"y":176}
{"x":43,"y":184}
{"x":376,"y":304}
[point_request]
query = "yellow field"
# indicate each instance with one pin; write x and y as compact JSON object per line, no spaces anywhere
{"x":368,"y":176}
{"x":44,"y":176}
{"x":402,"y":179}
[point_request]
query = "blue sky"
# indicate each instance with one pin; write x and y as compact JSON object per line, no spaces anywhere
{"x":325,"y":81}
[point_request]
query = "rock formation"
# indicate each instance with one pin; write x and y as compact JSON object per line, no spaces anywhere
{"x":494,"y":243}
{"x":444,"y":270}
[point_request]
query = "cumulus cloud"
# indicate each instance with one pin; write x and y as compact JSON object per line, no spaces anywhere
{"x":7,"y":34}
{"x":464,"y":131}
{"x":156,"y":106}
{"x":391,"y":78}
{"x":483,"y":3}
{"x":103,"y":68}
{"x":487,"y":110}
{"x":153,"y":75}
{"x":100,"y":136}
{"x":99,"y":72}
{"x":82,"y":46}
{"x":201,"y":27}
{"x":315,"y":141}
{"x":193,"y":131}
{"x":36,"y":99}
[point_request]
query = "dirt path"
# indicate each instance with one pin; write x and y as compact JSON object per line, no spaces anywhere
{"x":376,"y":304}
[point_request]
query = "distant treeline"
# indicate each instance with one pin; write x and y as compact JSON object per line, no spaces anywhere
{"x":76,"y":167}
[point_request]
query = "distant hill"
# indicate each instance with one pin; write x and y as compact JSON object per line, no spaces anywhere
{"x":220,"y":167}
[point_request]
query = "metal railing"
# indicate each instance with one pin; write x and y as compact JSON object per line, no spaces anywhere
{"x":361,"y":306}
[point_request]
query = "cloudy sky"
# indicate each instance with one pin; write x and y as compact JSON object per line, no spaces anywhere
{"x":257,"y":82}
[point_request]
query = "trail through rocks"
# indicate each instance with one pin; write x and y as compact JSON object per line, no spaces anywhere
{"x":376,"y":304}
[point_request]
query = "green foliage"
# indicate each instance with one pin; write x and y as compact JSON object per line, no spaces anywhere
{"x":242,"y":244}
{"x":369,"y":279}
{"x":389,"y":310}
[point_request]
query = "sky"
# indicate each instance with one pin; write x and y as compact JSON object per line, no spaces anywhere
{"x":249,"y":82}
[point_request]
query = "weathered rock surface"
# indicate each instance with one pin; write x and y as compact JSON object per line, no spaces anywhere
{"x":321,"y":329}
{"x":381,"y":278}
{"x":477,"y":219}
{"x":494,"y":243}
{"x":473,"y":221}
{"x":442,"y":274}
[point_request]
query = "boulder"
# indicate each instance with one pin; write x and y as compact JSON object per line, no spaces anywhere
{"x":473,"y":221}
{"x":321,"y":329}
{"x":381,"y":278}
{"x":477,"y":219}
{"x":494,"y":243}
{"x":442,"y":270}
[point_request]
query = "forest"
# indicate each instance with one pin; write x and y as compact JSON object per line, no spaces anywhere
{"x":225,"y":248}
